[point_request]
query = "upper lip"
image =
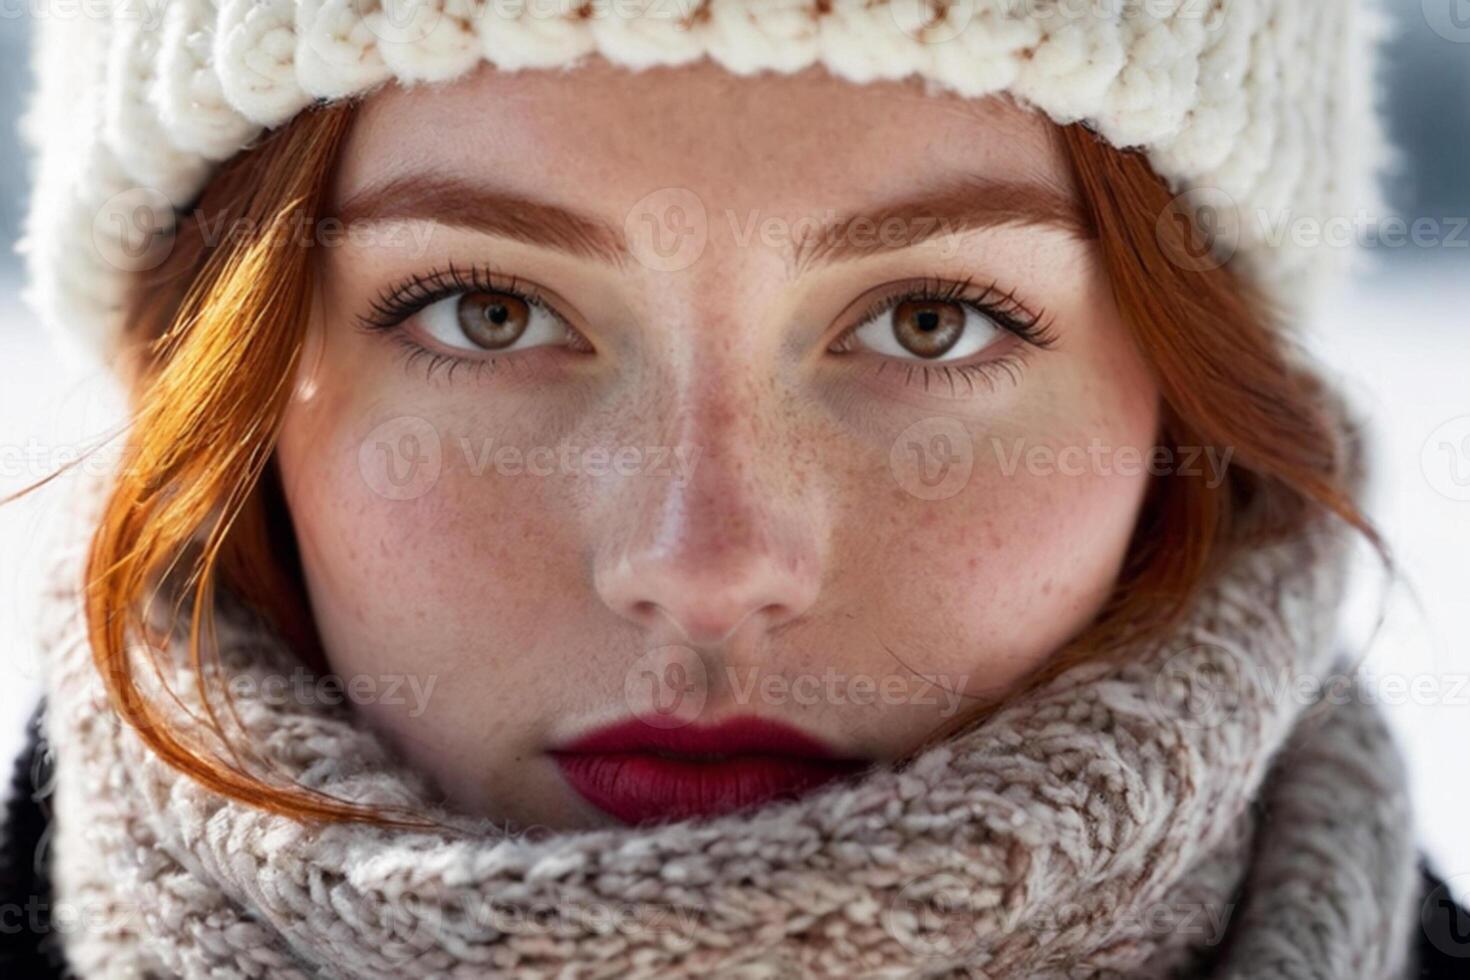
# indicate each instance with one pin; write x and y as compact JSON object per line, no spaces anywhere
{"x":745,"y":736}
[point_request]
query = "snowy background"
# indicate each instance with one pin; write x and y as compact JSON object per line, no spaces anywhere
{"x":1399,"y":338}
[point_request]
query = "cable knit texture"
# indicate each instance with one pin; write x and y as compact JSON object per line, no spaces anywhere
{"x":1183,"y":810}
{"x":1262,"y":110}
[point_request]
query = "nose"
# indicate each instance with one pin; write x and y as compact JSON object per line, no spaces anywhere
{"x":706,"y":604}
{"x":712,"y":554}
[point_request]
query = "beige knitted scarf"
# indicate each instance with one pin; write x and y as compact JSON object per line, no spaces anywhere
{"x":1211,"y":806}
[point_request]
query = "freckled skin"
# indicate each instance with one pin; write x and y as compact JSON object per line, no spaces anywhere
{"x":793,"y":548}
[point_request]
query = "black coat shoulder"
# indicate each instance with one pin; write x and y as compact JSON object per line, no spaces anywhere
{"x":1443,"y":933}
{"x":29,"y":946}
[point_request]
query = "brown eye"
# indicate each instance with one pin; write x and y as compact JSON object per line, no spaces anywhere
{"x":493,"y":321}
{"x":928,"y":328}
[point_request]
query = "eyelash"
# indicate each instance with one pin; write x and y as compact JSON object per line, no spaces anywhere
{"x":1034,"y":329}
{"x":397,"y":304}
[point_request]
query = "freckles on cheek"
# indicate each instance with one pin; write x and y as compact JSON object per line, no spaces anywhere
{"x":355,"y":549}
{"x":436,"y":560}
{"x":1011,"y":568}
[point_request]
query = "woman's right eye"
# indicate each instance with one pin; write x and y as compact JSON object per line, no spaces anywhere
{"x":483,"y":320}
{"x":934,"y":331}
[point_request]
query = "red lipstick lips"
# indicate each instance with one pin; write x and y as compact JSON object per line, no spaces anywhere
{"x":639,"y":773}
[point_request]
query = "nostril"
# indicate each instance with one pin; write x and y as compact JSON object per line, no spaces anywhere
{"x":705,"y":601}
{"x":777,"y":613}
{"x":644,"y":611}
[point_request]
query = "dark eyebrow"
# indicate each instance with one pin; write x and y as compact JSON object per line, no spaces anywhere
{"x":450,"y":201}
{"x":960,"y":206}
{"x":954,"y":208}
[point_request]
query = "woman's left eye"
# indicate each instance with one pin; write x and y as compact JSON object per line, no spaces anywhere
{"x":488,"y":320}
{"x":934,"y":330}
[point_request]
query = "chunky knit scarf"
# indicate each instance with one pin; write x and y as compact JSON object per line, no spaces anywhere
{"x":1211,"y":806}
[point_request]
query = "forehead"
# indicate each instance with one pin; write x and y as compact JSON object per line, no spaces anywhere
{"x":601,"y":137}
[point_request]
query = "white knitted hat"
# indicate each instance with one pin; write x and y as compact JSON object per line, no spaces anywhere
{"x":1262,"y":108}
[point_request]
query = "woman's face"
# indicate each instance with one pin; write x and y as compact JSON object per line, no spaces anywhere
{"x":774,"y":422}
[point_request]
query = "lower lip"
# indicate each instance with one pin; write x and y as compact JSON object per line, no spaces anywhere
{"x":645,"y":786}
{"x":638,"y":788}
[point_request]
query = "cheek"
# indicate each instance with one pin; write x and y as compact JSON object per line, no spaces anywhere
{"x":1020,"y":554}
{"x":443,"y":582}
{"x":993,"y":581}
{"x":413,"y":546}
